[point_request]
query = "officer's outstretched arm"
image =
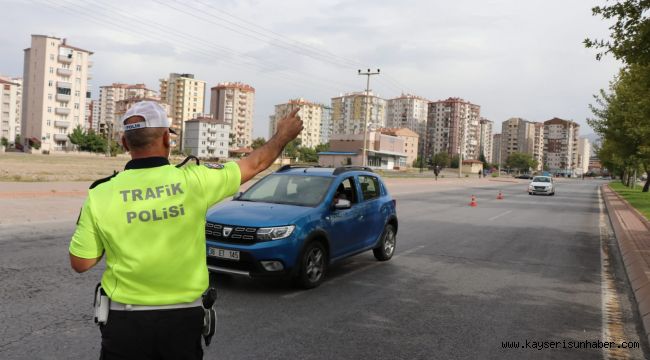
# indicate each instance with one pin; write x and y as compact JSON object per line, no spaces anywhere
{"x":80,"y":264}
{"x":260,"y":159}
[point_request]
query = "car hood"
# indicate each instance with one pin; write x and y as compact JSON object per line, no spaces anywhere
{"x":257,"y":214}
{"x":540,"y":184}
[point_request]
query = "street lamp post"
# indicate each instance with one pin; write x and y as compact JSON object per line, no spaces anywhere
{"x":365,"y":124}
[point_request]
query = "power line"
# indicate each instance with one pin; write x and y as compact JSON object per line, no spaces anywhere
{"x":147,"y":34}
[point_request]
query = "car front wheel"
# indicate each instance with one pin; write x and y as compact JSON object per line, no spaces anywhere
{"x":386,"y":247}
{"x":313,"y":264}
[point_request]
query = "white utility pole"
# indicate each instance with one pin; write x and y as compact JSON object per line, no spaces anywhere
{"x":365,"y":124}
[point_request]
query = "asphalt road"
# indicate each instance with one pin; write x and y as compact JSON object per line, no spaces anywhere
{"x":463,"y":281}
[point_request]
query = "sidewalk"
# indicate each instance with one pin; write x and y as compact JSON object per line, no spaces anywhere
{"x":632,"y":232}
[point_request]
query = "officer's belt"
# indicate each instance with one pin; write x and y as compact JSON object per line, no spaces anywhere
{"x":118,"y":306}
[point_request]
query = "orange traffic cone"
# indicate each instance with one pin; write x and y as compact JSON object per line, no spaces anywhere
{"x":473,"y":203}
{"x":500,"y":196}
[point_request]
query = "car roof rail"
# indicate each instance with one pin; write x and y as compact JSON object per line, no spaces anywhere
{"x":295,"y":166}
{"x":342,"y":169}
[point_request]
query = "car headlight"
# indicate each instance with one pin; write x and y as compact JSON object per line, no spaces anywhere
{"x":275,"y":233}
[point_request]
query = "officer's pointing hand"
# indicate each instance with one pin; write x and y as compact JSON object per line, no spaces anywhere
{"x":290,"y":126}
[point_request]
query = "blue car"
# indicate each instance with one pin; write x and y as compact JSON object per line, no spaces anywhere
{"x":297,"y":221}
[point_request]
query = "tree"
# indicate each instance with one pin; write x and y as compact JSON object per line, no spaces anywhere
{"x":307,"y":155}
{"x":441,"y":159}
{"x":482,"y":159}
{"x":630,"y":34}
{"x":521,"y":161}
{"x":88,"y":141}
{"x":291,"y":149}
{"x":322,"y":147}
{"x":4,"y":142}
{"x":621,"y":121}
{"x":258,"y":142}
{"x":232,"y":140}
{"x":454,"y":161}
{"x":17,"y":139}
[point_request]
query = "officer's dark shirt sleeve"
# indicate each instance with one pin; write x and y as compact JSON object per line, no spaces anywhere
{"x":85,"y":243}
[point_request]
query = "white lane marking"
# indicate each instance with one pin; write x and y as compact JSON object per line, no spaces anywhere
{"x":612,"y":317}
{"x":355,"y":271}
{"x":500,"y":215}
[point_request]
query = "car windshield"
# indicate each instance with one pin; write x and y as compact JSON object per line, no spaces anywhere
{"x":289,"y":189}
{"x":542,"y":179}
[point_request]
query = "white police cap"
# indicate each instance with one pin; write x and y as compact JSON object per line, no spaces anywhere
{"x":153,"y":114}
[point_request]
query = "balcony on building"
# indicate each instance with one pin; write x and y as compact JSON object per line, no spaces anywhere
{"x":60,"y":137}
{"x":61,"y":124}
{"x":64,"y":72}
{"x":212,"y":130}
{"x":61,"y":111}
{"x":90,"y":63}
{"x":211,"y":147}
{"x":64,"y":84}
{"x":63,"y":97}
{"x":66,"y":59}
{"x":90,"y":76}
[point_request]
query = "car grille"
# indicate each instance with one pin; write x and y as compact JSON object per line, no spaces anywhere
{"x":238,"y":234}
{"x":540,"y":188}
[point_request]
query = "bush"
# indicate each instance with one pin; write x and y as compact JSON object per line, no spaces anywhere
{"x":494,"y":174}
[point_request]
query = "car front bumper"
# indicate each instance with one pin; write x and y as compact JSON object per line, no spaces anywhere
{"x":250,"y":257}
{"x":540,"y":190}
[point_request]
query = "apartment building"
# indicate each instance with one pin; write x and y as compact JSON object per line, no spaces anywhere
{"x":410,"y":112}
{"x":95,"y":115}
{"x":496,"y":150}
{"x":538,"y":145}
{"x":584,"y":155}
{"x":453,"y":127}
{"x":561,"y":146}
{"x":90,"y":107}
{"x":351,"y":111}
{"x":326,"y":124}
{"x":311,"y":115}
{"x":185,"y":96}
{"x":410,"y":139}
{"x":234,"y":103}
{"x":206,"y":137}
{"x":485,"y":139}
{"x":10,"y":107}
{"x":109,"y":95}
{"x":55,"y":91}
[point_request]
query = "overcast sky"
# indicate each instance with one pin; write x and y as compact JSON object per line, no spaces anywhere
{"x":514,"y":58}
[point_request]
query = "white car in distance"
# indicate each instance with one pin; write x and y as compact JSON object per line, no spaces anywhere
{"x":541,"y":185}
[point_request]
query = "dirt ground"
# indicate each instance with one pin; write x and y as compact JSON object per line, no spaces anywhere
{"x":66,"y":167}
{"x":42,"y":188}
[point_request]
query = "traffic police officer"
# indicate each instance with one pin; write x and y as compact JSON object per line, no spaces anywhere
{"x":149,"y":221}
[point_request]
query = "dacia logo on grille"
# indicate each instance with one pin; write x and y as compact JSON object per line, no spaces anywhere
{"x":226,"y":231}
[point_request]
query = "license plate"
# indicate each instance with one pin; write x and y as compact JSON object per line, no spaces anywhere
{"x":223,"y":253}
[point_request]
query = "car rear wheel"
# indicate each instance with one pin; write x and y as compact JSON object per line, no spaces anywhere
{"x":386,"y":247}
{"x":313,"y":264}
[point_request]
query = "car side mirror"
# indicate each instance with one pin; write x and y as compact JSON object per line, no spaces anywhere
{"x":237,"y":195}
{"x":342,"y":204}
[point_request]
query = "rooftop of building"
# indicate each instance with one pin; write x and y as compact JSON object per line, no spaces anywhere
{"x":7,"y":82}
{"x":208,"y":120}
{"x":357,"y":93}
{"x":126,"y":86}
{"x":558,"y":121}
{"x":398,"y":132}
{"x":410,"y":96}
{"x":234,"y":85}
{"x":63,"y":43}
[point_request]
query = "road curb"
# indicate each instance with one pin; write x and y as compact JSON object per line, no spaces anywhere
{"x":632,"y":233}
